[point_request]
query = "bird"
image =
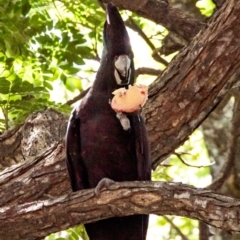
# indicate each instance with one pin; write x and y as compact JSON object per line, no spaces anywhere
{"x":102,"y":144}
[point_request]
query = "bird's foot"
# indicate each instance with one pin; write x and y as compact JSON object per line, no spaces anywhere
{"x":104,"y":183}
{"x":123,"y":120}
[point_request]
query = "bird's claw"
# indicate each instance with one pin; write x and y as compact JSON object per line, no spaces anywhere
{"x":104,"y":183}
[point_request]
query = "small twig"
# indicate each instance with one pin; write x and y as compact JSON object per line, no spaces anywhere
{"x":58,"y":13}
{"x":189,"y":165}
{"x":153,"y":36}
{"x":158,"y":58}
{"x":78,"y":97}
{"x":148,"y":71}
{"x":176,"y":228}
{"x":165,"y":165}
{"x":131,"y":24}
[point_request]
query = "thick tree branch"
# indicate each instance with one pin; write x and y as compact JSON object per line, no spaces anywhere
{"x":37,"y":194}
{"x":120,"y":200}
{"x":219,"y":3}
{"x":161,"y":13}
{"x":38,"y":178}
{"x":194,"y":83}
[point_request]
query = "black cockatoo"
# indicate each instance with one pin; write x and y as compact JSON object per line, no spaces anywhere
{"x":99,"y":144}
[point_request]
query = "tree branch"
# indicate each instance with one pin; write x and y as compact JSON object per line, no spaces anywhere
{"x":121,"y":199}
{"x":194,"y":83}
{"x":131,"y":24}
{"x":174,"y":226}
{"x":161,"y":13}
{"x":78,"y":97}
{"x":149,"y":71}
{"x":37,"y":194}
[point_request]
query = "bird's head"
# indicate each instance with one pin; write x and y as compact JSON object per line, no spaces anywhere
{"x":117,"y":47}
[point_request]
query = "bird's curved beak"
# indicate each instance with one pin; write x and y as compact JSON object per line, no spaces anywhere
{"x":122,"y":71}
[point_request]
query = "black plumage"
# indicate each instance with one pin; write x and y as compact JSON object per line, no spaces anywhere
{"x":97,"y":146}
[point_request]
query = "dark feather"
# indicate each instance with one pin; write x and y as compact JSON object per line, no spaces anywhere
{"x":75,"y":166}
{"x":97,"y":146}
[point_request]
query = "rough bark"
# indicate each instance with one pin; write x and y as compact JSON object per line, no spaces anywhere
{"x":194,"y":83}
{"x":162,"y":13}
{"x":40,"y":131}
{"x":188,"y":7}
{"x":42,"y":217}
{"x":31,"y":193}
{"x":219,"y":3}
{"x":39,"y":177}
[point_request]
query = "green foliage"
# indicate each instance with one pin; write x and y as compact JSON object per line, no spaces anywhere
{"x":77,"y":233}
{"x":21,"y":94}
{"x":42,"y":42}
{"x":190,"y":166}
{"x":171,"y":228}
{"x":206,"y":7}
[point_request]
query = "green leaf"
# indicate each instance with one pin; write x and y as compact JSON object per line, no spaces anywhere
{"x":47,"y":85}
{"x":73,"y":235}
{"x":39,"y":89}
{"x":16,"y":85}
{"x":4,"y":86}
{"x":9,"y":62}
{"x":63,"y":77}
{"x":25,"y":7}
{"x":79,"y":61}
{"x":72,"y":70}
{"x":26,"y":86}
{"x":80,"y":38}
{"x":3,"y":102}
{"x":65,"y":65}
{"x":73,"y":83}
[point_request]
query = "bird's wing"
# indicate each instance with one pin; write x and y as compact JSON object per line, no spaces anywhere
{"x":75,"y":164}
{"x":142,"y":148}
